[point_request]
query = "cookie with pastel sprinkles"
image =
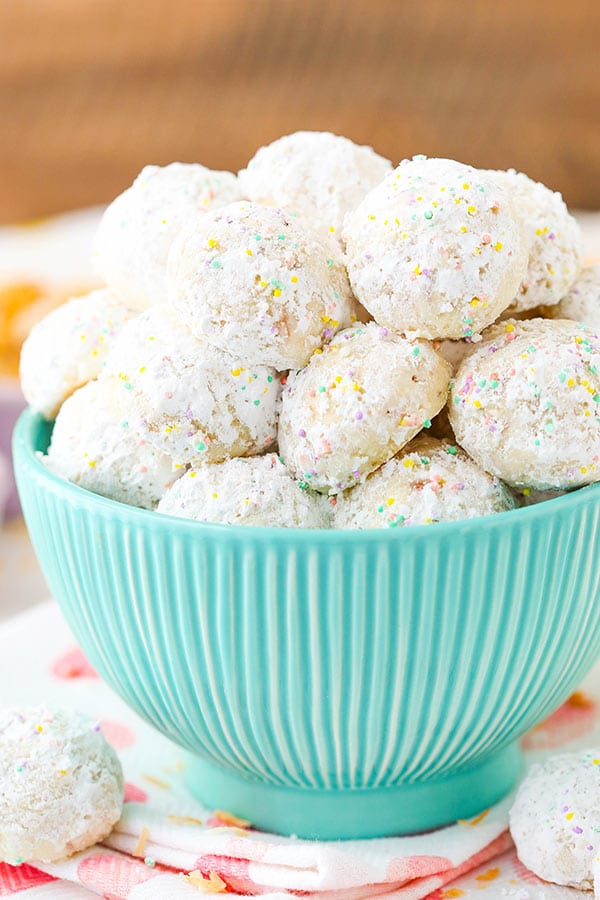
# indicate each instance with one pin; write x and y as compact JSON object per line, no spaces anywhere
{"x":357,"y":403}
{"x":67,"y":348}
{"x":137,"y":229}
{"x":318,"y":174}
{"x":260,"y":283}
{"x":553,"y":240}
{"x":429,"y":481}
{"x":555,"y":819}
{"x":437,"y":249}
{"x":525,"y":404}
{"x":61,"y":784}
{"x":582,"y":302}
{"x":189,"y":399}
{"x":255,"y":491}
{"x":97,"y":445}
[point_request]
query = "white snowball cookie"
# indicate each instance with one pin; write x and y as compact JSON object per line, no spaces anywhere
{"x":582,"y":303}
{"x":61,"y":784}
{"x":318,"y":174}
{"x":525,"y":404}
{"x":429,"y":481}
{"x":554,"y":818}
{"x":260,"y":283}
{"x":96,"y":444}
{"x":437,"y":249}
{"x":68,"y":347}
{"x":137,"y":229}
{"x":190,"y":399}
{"x":254,"y":491}
{"x":356,"y":404}
{"x":553,"y":239}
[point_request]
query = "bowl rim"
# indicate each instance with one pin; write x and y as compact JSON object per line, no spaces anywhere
{"x":26,"y":438}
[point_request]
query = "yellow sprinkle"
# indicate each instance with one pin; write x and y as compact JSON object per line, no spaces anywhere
{"x":40,"y":728}
{"x":62,"y":771}
{"x":390,"y":501}
{"x":471,"y":210}
{"x":236,"y":372}
{"x":466,"y":186}
{"x":214,"y":884}
{"x":249,"y":252}
{"x":276,"y":292}
{"x":184,"y":820}
{"x":372,"y":218}
{"x":457,"y":200}
{"x":596,"y":762}
{"x":475,"y":301}
{"x":294,"y":279}
{"x":212,"y":243}
{"x":498,"y":245}
{"x":228,"y":818}
{"x":140,"y":847}
{"x":477,"y":404}
{"x":215,"y":495}
{"x":82,"y":337}
{"x":338,"y":378}
{"x":325,"y":319}
{"x":157,"y":782}
{"x":508,"y":327}
{"x":409,"y":463}
{"x":526,"y":492}
{"x":92,"y":463}
{"x":331,"y":229}
{"x":587,"y":412}
{"x":463,"y":228}
{"x":263,"y":283}
{"x":583,"y":470}
{"x":569,"y":816}
{"x":417,"y":270}
{"x":571,"y":382}
{"x":94,"y":353}
{"x":192,"y":474}
{"x":142,"y":370}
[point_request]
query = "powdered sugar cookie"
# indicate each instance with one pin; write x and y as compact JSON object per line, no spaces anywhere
{"x":554,"y":819}
{"x":582,"y":303}
{"x":96,"y":444}
{"x":67,"y":348}
{"x":553,"y":240}
{"x":259,"y":283}
{"x":190,"y":399}
{"x":254,"y":491}
{"x":526,"y":404}
{"x":437,"y":249}
{"x":428,"y":481}
{"x":356,"y":404}
{"x":61,"y":784}
{"x":318,"y":174}
{"x":136,"y":232}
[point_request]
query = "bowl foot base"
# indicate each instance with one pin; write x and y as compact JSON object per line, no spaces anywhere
{"x":353,"y":814}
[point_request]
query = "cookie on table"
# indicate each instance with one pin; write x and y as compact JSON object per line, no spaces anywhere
{"x":254,"y":491}
{"x":96,"y":444}
{"x":437,"y":249}
{"x":67,"y":348}
{"x":61,"y":784}
{"x":189,"y":399}
{"x":316,"y":173}
{"x":260,"y":283}
{"x":357,"y":403}
{"x":582,"y":302}
{"x":429,"y":481}
{"x":137,"y":229}
{"x":554,"y":818}
{"x":525,"y":404}
{"x":553,"y":239}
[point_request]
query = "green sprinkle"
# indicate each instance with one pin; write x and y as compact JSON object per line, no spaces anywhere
{"x":281,"y":237}
{"x":427,"y":423}
{"x":201,"y":446}
{"x":451,"y":450}
{"x":562,"y":377}
{"x":330,"y":263}
{"x":124,"y":424}
{"x":494,"y":384}
{"x":258,"y":237}
{"x":549,"y":426}
{"x":322,"y":389}
{"x":128,"y":385}
{"x":303,"y":485}
{"x":596,"y":398}
{"x":425,"y":460}
{"x":416,"y":351}
{"x":380,"y":509}
{"x":397,"y":521}
{"x":428,"y":214}
{"x":482,"y":383}
{"x":216,"y":264}
{"x":269,"y":378}
{"x":150,"y":862}
{"x":537,"y":442}
{"x":257,"y":402}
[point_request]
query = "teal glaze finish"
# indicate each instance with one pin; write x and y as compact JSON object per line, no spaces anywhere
{"x":386,"y":672}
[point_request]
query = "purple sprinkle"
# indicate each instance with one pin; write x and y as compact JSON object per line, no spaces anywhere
{"x":301,"y":432}
{"x":190,"y":433}
{"x":551,"y":236}
{"x":590,"y":847}
{"x":577,"y":829}
{"x":383,"y":332}
{"x":189,"y":414}
{"x":356,"y":473}
{"x":359,"y":415}
{"x":97,"y":726}
{"x":565,"y":809}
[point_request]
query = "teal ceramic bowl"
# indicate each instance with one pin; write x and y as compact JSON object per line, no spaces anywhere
{"x":333,"y":684}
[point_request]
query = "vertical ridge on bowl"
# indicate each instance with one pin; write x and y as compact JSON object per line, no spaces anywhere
{"x":336,"y":684}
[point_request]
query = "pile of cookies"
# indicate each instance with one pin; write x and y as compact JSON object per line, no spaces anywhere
{"x":324,"y":340}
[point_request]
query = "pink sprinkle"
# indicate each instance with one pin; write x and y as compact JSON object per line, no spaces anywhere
{"x":301,"y":432}
{"x":359,"y":415}
{"x":486,"y":239}
{"x":169,"y":395}
{"x":143,"y":468}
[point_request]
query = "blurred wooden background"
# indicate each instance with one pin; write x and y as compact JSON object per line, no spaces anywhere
{"x":91,"y":90}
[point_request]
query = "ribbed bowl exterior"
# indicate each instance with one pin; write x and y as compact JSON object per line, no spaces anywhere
{"x":330,"y":660}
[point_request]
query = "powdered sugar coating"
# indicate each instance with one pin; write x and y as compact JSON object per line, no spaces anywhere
{"x":553,"y":239}
{"x":437,"y":249}
{"x":137,"y":229}
{"x":555,"y":818}
{"x":254,"y":491}
{"x":67,"y":348}
{"x":356,"y":404}
{"x":95,"y":444}
{"x":260,"y":283}
{"x":582,"y":303}
{"x":190,"y":399}
{"x":428,"y":481}
{"x":525,"y":404}
{"x":61,"y":784}
{"x":320,"y":175}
